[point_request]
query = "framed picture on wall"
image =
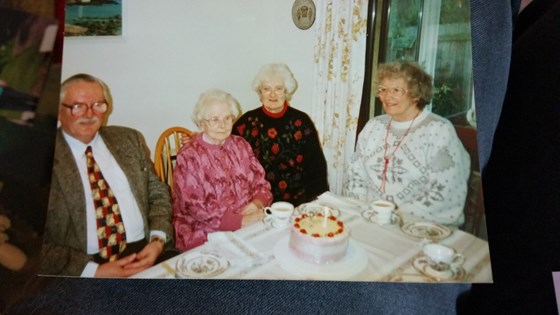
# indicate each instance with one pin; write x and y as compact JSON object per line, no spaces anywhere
{"x":93,"y":18}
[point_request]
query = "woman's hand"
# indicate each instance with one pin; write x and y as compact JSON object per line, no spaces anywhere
{"x":252,"y":213}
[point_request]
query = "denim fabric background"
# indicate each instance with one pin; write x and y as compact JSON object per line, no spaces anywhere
{"x":491,"y":31}
{"x":522,"y":177}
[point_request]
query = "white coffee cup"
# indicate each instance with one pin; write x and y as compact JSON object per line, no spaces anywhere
{"x":280,"y":212}
{"x":384,"y":211}
{"x":442,"y":257}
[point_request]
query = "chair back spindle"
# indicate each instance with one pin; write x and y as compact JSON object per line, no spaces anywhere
{"x":167,"y":147}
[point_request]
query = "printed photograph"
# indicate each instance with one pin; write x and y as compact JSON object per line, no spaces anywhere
{"x":26,"y":44}
{"x":28,"y":87}
{"x":344,"y":153}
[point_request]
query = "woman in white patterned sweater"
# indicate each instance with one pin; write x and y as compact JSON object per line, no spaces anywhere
{"x":410,"y":156}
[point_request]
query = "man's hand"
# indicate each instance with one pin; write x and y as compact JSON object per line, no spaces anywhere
{"x":116,"y":269}
{"x":252,"y":213}
{"x":147,"y":256}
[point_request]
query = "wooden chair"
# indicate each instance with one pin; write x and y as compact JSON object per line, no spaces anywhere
{"x":167,"y":147}
{"x":474,"y":204}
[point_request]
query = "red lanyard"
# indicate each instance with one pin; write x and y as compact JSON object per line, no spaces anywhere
{"x":386,"y":157}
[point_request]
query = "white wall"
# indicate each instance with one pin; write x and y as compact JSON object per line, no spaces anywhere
{"x":173,"y":50}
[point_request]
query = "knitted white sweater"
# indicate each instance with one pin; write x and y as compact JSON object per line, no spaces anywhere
{"x":426,"y":175}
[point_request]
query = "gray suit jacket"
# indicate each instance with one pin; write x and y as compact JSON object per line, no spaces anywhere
{"x":64,"y":250}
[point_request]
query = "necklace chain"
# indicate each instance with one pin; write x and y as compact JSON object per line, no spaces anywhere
{"x":387,"y":157}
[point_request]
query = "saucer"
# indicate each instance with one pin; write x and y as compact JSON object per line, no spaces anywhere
{"x":426,"y":230}
{"x":198,"y":265}
{"x":270,"y":221}
{"x":422,"y":265}
{"x":369,"y":215}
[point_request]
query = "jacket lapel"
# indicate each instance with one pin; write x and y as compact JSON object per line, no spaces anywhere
{"x":67,"y":174}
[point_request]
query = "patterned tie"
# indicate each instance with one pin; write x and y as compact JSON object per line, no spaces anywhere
{"x":110,"y":228}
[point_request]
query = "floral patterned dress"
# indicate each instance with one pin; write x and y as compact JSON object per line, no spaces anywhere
{"x":288,"y":147}
{"x":212,"y":184}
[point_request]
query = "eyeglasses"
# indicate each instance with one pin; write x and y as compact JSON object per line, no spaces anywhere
{"x":79,"y":109}
{"x":277,"y":90}
{"x":215,"y":121}
{"x":396,"y":91}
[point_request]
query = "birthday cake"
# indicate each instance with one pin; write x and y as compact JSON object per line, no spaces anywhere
{"x":318,"y":238}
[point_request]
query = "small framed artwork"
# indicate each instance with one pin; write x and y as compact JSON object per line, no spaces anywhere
{"x":303,"y":13}
{"x":93,"y":18}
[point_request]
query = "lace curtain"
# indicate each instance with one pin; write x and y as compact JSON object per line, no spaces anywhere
{"x":340,"y":46}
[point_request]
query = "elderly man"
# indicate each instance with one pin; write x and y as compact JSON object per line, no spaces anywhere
{"x":108,"y":215}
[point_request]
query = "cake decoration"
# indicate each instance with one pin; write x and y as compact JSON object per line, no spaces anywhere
{"x":318,"y":238}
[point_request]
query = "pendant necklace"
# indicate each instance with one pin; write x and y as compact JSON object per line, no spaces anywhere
{"x":387,"y":157}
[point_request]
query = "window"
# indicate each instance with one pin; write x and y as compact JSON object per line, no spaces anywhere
{"x":437,"y":35}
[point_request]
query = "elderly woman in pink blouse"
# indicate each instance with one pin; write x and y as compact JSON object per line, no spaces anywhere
{"x":219,"y":183}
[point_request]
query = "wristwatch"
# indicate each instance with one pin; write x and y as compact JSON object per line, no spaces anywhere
{"x":158,"y":239}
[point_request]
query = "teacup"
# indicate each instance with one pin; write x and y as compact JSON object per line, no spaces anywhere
{"x":280,"y":212}
{"x":443,"y":258}
{"x":384,"y":211}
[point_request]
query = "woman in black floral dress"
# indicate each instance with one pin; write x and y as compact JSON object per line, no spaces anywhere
{"x":284,"y":139}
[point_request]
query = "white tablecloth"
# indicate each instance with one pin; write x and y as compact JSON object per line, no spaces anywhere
{"x":377,"y":252}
